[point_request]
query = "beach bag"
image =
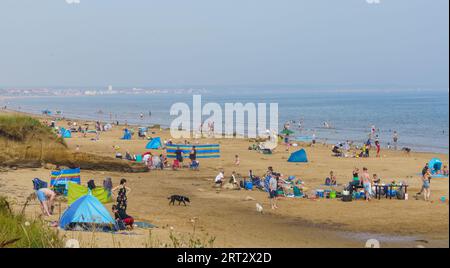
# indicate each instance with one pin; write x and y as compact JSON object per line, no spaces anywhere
{"x":91,"y":184}
{"x":401,"y":195}
{"x":347,"y":198}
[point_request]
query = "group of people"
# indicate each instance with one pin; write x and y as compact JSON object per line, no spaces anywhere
{"x":365,"y":181}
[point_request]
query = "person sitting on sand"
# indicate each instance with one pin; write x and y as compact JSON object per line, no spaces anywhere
{"x":122,"y":218}
{"x":219,"y":178}
{"x":331,"y":180}
{"x":444,"y":170}
{"x":355,"y":180}
{"x":128,"y":156}
{"x":375,"y":179}
{"x":46,"y":198}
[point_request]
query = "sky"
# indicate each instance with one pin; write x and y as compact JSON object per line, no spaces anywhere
{"x":46,"y":43}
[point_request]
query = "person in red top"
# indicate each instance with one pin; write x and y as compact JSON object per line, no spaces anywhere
{"x":121,"y":215}
{"x":377,"y":144}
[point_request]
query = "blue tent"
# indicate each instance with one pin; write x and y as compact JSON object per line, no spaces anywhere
{"x":66,"y":134}
{"x":155,"y":143}
{"x":299,"y":156}
{"x":126,"y":135}
{"x":86,"y":209}
{"x":435,"y":165}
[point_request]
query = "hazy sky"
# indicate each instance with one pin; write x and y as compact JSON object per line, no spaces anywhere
{"x":222,"y":42}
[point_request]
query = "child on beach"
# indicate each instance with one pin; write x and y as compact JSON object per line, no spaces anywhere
{"x":377,"y":144}
{"x":219,"y":178}
{"x":237,"y":161}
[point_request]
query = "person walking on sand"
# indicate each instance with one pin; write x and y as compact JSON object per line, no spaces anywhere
{"x":273,"y":185}
{"x":367,"y":184}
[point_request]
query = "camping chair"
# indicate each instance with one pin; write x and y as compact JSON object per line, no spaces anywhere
{"x":38,"y":184}
{"x":176,"y":164}
{"x":195,"y":165}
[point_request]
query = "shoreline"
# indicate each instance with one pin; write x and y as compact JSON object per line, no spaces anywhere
{"x":319,"y":141}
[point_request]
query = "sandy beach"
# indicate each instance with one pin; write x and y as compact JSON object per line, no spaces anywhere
{"x":231,"y":220}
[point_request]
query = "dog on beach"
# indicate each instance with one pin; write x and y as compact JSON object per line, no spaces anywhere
{"x":406,"y":150}
{"x":259,"y":208}
{"x":179,"y":198}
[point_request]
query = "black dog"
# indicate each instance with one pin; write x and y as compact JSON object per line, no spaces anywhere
{"x":178,"y":198}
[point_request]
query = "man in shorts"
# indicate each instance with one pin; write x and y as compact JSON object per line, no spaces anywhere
{"x":273,"y":185}
{"x":46,"y":198}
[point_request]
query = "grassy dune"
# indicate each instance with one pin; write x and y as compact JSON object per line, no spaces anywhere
{"x":27,"y":143}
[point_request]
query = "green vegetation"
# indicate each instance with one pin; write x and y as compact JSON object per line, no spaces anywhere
{"x":21,"y":128}
{"x":18,"y":232}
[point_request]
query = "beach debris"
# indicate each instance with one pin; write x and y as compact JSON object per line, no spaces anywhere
{"x":249,"y":198}
{"x":72,"y":243}
{"x":259,"y":208}
{"x":372,"y":243}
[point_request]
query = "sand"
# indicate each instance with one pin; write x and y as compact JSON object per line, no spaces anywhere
{"x":234,"y":222}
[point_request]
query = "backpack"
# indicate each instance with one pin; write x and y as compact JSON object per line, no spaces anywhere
{"x":91,"y":184}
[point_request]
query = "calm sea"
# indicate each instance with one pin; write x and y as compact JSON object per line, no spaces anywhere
{"x":420,"y":117}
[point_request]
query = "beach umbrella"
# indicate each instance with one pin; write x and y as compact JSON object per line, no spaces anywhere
{"x":287,"y":132}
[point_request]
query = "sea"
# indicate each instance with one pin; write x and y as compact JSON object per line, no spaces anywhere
{"x":421,"y":117}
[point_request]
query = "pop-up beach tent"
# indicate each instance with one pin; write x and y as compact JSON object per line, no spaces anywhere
{"x":65,"y":133}
{"x":87,"y":210}
{"x":435,"y":165}
{"x":155,"y":143}
{"x":126,"y":135}
{"x":298,"y":156}
{"x":75,"y":191}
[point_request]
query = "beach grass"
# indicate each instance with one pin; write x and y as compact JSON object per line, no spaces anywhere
{"x":16,"y":231}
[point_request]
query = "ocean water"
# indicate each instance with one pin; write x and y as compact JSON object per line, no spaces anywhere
{"x":420,"y":117}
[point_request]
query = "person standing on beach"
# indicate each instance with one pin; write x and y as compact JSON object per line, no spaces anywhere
{"x":426,"y":185}
{"x":367,"y":184}
{"x":179,"y":154}
{"x":377,"y":144}
{"x":122,"y":199}
{"x":273,"y":185}
{"x":395,"y":139}
{"x":193,"y":155}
